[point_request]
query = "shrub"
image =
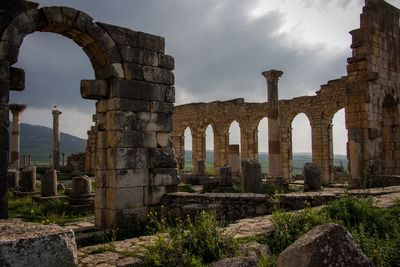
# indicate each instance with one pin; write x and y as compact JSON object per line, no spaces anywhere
{"x":189,"y":243}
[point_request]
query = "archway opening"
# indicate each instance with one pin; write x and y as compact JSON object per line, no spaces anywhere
{"x":339,"y":146}
{"x":188,"y":165}
{"x":234,"y":158}
{"x":301,"y":143}
{"x":54,"y":67}
{"x":210,"y":149}
{"x":263,"y":145}
{"x":390,"y":137}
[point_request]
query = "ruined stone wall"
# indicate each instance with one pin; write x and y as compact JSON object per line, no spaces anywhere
{"x":319,"y":109}
{"x":373,"y":93}
{"x":134,"y":160}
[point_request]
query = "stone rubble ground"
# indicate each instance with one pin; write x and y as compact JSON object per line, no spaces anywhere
{"x":123,"y":252}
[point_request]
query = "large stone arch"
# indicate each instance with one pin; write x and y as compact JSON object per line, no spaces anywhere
{"x":134,"y":92}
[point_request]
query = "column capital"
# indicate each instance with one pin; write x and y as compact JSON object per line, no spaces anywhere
{"x":16,"y":108}
{"x":272,"y":75}
{"x":56,"y":112}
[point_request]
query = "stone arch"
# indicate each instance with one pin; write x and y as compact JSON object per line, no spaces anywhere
{"x":309,"y":118}
{"x":133,"y":121}
{"x":262,"y":158}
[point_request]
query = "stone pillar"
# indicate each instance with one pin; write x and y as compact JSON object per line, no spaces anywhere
{"x":24,"y":161}
{"x":29,"y":161}
{"x":56,"y":139}
{"x":63,"y":159}
{"x":234,"y":159}
{"x":274,"y":144}
{"x":249,"y":143}
{"x":198,"y":146}
{"x":200,"y":167}
{"x":221,"y":142}
{"x":28,"y":179}
{"x":16,"y":110}
{"x":251,"y":176}
{"x":226,"y":176}
{"x":13,"y":179}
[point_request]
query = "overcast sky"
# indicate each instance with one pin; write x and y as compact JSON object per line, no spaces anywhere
{"x":220,"y":49}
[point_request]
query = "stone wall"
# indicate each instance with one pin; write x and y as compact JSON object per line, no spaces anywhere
{"x":319,"y":109}
{"x":132,"y":151}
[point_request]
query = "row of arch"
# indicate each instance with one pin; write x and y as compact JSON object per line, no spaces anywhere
{"x":301,"y":147}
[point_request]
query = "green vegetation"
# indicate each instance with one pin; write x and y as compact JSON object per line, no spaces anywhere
{"x":191,"y":242}
{"x":376,"y":230}
{"x":53,"y":211}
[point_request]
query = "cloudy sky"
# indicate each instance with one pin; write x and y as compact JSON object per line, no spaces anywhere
{"x":220,"y":49}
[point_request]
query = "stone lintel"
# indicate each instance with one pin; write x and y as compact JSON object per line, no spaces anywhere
{"x":94,"y":89}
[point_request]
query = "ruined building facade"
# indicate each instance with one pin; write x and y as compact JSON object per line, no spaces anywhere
{"x":133,"y":159}
{"x":369,"y":93}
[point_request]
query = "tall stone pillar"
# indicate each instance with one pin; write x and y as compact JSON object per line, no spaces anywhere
{"x":16,"y":110}
{"x":56,"y":139}
{"x":274,"y":143}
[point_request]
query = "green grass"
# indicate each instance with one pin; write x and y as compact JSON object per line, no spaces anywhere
{"x":53,"y":211}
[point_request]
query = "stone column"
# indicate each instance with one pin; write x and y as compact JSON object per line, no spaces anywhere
{"x":24,"y":161}
{"x":274,"y":144}
{"x":56,"y":139}
{"x":29,"y":161}
{"x":16,"y":110}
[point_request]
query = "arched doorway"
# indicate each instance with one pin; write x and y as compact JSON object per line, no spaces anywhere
{"x":210,"y":150}
{"x":263,"y":145}
{"x":188,"y":164}
{"x":339,"y":146}
{"x":234,"y":158}
{"x":301,"y":143}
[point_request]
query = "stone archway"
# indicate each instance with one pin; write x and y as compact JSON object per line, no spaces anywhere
{"x":134,"y":159}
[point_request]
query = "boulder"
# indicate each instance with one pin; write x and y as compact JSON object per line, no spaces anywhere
{"x":324,"y":245}
{"x":32,"y":244}
{"x":312,"y":177}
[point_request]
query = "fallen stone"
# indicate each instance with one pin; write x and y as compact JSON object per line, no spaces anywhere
{"x":324,"y":245}
{"x":32,"y":244}
{"x":236,"y":262}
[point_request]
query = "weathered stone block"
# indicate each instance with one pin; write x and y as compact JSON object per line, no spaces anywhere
{"x":128,"y":139}
{"x":162,"y":158}
{"x":124,"y":104}
{"x":225,"y":176}
{"x":165,"y":176}
{"x":81,"y":186}
{"x":131,"y":54}
{"x":200,"y":167}
{"x":143,"y":121}
{"x":120,"y":35}
{"x":125,"y":198}
{"x":133,"y":71}
{"x":28,"y":179}
{"x":324,"y":245}
{"x":251,"y":176}
{"x":150,"y":58}
{"x":127,"y":158}
{"x":137,"y":90}
{"x":31,"y":244}
{"x":312,"y":177}
{"x":12,"y":178}
{"x":49,"y":184}
{"x":17,"y":79}
{"x":151,"y":42}
{"x":4,"y":69}
{"x":128,"y":178}
{"x":9,"y":52}
{"x":166,"y":62}
{"x":4,"y":91}
{"x":162,"y":107}
{"x":163,"y":140}
{"x":158,"y":75}
{"x":101,"y":198}
{"x":170,"y":94}
{"x":117,"y":71}
{"x":94,"y":89}
{"x":154,"y":194}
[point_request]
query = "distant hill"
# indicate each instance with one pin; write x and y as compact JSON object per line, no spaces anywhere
{"x":37,"y":140}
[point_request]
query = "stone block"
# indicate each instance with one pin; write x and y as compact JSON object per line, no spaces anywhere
{"x":120,"y":35}
{"x":137,"y":90}
{"x":4,"y":69}
{"x":143,"y":121}
{"x":113,"y":55}
{"x":12,"y":178}
{"x":9,"y":52}
{"x":101,"y":140}
{"x":127,"y":217}
{"x":124,"y":104}
{"x":131,"y":54}
{"x":102,"y":179}
{"x":133,"y":71}
{"x":49,"y":184}
{"x":127,"y":139}
{"x":28,"y":179}
{"x":158,"y":75}
{"x":162,"y":158}
{"x":4,"y":91}
{"x":125,"y":198}
{"x":312,"y":177}
{"x":150,"y":58}
{"x":94,"y":89}
{"x":154,"y":194}
{"x":251,"y":176}
{"x":128,"y":178}
{"x":162,"y":107}
{"x":31,"y":244}
{"x":101,"y":157}
{"x":151,"y":42}
{"x":163,"y":140}
{"x":225,"y":176}
{"x":127,"y":158}
{"x":164,"y":177}
{"x":166,"y":62}
{"x":117,"y":71}
{"x":17,"y":79}
{"x":200,"y":167}
{"x":170,"y":94}
{"x":81,"y":186}
{"x":100,"y":198}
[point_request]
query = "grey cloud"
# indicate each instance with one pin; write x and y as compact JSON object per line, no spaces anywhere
{"x":219,"y":52}
{"x":323,"y":4}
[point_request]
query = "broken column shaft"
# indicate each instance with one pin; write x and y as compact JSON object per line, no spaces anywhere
{"x":16,"y":110}
{"x":56,"y":139}
{"x":274,"y":143}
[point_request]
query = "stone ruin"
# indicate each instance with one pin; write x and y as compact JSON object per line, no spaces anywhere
{"x":134,"y":93}
{"x":369,"y":93}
